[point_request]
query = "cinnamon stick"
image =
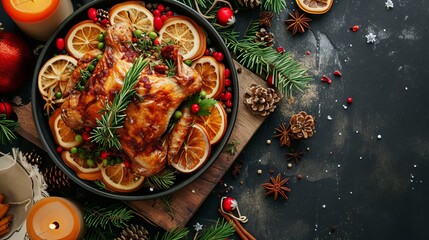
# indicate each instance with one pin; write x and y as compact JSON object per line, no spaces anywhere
{"x":4,"y":226}
{"x":6,"y":219}
{"x":4,"y":231}
{"x":3,"y":209}
{"x":241,"y":231}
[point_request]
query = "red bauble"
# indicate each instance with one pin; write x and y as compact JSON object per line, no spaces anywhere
{"x":225,"y":16}
{"x":229,"y":204}
{"x":6,"y":108}
{"x":15,"y":62}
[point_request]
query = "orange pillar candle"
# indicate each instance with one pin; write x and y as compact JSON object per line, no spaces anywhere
{"x":55,"y":218}
{"x":38,"y":18}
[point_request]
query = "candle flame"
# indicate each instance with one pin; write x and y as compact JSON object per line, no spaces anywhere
{"x":54,"y":225}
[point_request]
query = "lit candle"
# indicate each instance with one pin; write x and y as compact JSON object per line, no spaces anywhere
{"x":38,"y":18}
{"x":55,"y":218}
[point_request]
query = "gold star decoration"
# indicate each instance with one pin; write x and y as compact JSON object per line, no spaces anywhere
{"x":298,"y":22}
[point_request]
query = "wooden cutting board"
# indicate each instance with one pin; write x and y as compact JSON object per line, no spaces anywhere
{"x":187,"y":200}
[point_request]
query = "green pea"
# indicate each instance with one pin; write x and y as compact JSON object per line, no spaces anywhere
{"x":112,"y":162}
{"x":99,"y":57}
{"x":118,"y":160}
{"x":100,"y":45}
{"x":91,"y":68}
{"x":203,"y":94}
{"x":177,"y":114}
{"x":81,"y":88}
{"x":105,"y":162}
{"x":100,"y":37}
{"x":138,"y":33}
{"x":73,"y":150}
{"x":90,"y":162}
{"x":153,"y":35}
{"x":58,"y":95}
{"x":78,"y":138}
{"x":188,"y":62}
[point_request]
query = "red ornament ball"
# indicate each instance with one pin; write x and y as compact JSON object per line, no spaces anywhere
{"x":225,"y":16}
{"x":6,"y":108}
{"x":92,"y":14}
{"x":60,"y":44}
{"x":15,"y":62}
{"x":349,"y":100}
{"x":218,"y":56}
{"x":195,"y":108}
{"x":229,"y":204}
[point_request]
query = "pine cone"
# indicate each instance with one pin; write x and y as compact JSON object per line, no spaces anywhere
{"x":302,"y":125}
{"x":264,"y":36}
{"x":55,"y":178}
{"x":261,"y":100}
{"x":134,"y":232}
{"x":102,"y":14}
{"x":249,"y":3}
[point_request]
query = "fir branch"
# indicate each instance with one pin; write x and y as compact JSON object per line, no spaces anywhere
{"x":114,"y":215}
{"x":162,"y":180}
{"x":105,"y":134}
{"x":174,"y":234}
{"x":231,"y":147}
{"x":100,"y":184}
{"x":166,"y":200}
{"x":221,"y":230}
{"x":273,"y":5}
{"x":98,"y":234}
{"x":7,"y":128}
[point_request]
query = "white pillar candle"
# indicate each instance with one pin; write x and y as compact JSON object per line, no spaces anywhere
{"x":38,"y":18}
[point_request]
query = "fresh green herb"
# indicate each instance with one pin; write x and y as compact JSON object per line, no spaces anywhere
{"x":221,"y":230}
{"x":166,"y":201}
{"x":205,"y":104}
{"x":105,"y":134}
{"x":114,"y":215}
{"x":163,"y":180}
{"x":231,"y":147}
{"x":7,"y":128}
{"x":171,"y":72}
{"x":173,"y":234}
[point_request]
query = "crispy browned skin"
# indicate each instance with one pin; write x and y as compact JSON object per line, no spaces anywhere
{"x":146,"y":121}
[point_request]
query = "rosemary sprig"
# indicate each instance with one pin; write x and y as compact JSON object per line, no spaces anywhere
{"x":273,"y":5}
{"x":7,"y":128}
{"x":105,"y":134}
{"x":162,"y":180}
{"x":174,"y":234}
{"x":221,"y":230}
{"x":166,"y":201}
{"x":113,"y":215}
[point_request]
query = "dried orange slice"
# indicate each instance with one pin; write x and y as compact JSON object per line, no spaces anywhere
{"x":315,"y":6}
{"x":194,"y":151}
{"x":118,"y":178}
{"x":54,"y":76}
{"x":64,"y":136}
{"x":215,"y":123}
{"x":82,"y":38}
{"x":81,"y":167}
{"x":133,"y":12}
{"x":212,"y":73}
{"x":184,"y":32}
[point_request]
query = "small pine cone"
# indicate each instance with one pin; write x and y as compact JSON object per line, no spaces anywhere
{"x":55,"y":178}
{"x":134,"y":232}
{"x":102,"y":14}
{"x":260,"y":100}
{"x":266,"y":37}
{"x":33,"y":158}
{"x":302,"y":125}
{"x":249,"y":3}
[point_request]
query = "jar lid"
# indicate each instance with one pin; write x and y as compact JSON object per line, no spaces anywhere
{"x":29,"y":10}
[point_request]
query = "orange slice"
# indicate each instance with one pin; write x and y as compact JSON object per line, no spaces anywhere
{"x":211,"y":72}
{"x":133,"y":12}
{"x":80,"y":166}
{"x":315,"y":6}
{"x":82,"y":38}
{"x":54,"y":76}
{"x":64,"y":136}
{"x":215,"y":123}
{"x":184,"y":32}
{"x":118,"y":178}
{"x":194,"y":152}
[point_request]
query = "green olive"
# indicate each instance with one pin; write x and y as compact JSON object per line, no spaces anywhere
{"x":99,"y":57}
{"x":188,"y":62}
{"x":100,"y":45}
{"x":78,"y":138}
{"x":153,"y":35}
{"x":138,"y":33}
{"x":177,"y":114}
{"x":73,"y":150}
{"x":100,"y":37}
{"x":58,"y":95}
{"x":90,"y":162}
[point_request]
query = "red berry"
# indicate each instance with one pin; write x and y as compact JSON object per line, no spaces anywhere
{"x":270,"y":80}
{"x":227,"y":73}
{"x":299,"y":176}
{"x":355,"y":28}
{"x":349,"y":100}
{"x":227,"y":82}
{"x":157,"y":23}
{"x":326,"y":79}
{"x":134,"y":39}
{"x":280,"y":50}
{"x":127,"y":164}
{"x":169,"y":13}
{"x":228,"y":103}
{"x":156,"y":42}
{"x":228,"y":96}
{"x":60,"y":44}
{"x":88,"y":129}
{"x":195,"y":108}
{"x":308,"y":52}
{"x":6,"y":108}
{"x":156,"y":13}
{"x":86,"y":136}
{"x":222,"y":96}
{"x":104,"y":22}
{"x":104,"y":155}
{"x":59,"y":149}
{"x":218,"y":56}
{"x":161,"y":7}
{"x":229,"y":204}
{"x":164,"y":17}
{"x":338,"y":73}
{"x":207,"y":52}
{"x":92,"y":14}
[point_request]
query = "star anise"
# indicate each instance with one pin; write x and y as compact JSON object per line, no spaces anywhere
{"x":236,"y":168}
{"x":265,"y":19}
{"x":298,"y":22}
{"x":294,"y":155}
{"x":284,"y":134}
{"x":276,"y":187}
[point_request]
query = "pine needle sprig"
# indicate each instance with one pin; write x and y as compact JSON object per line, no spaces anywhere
{"x":221,"y":230}
{"x":98,"y":234}
{"x":114,"y":215}
{"x":166,"y":201}
{"x":105,"y":134}
{"x":174,"y":234}
{"x":231,"y":147}
{"x":273,"y":5}
{"x":7,"y":128}
{"x":162,"y":180}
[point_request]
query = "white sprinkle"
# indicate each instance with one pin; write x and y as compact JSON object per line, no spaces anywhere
{"x":411,"y":180}
{"x":351,"y":192}
{"x":360,"y":157}
{"x":351,"y":45}
{"x":415,"y":165}
{"x":339,"y":134}
{"x":329,"y":117}
{"x":268,"y":141}
{"x":336,"y":100}
{"x":151,"y":189}
{"x":339,"y":198}
{"x":370,"y":38}
{"x":406,"y":88}
{"x":379,"y":136}
{"x":326,"y":170}
{"x":260,"y":160}
{"x":289,"y":165}
{"x":259,"y":171}
{"x":388,"y":4}
{"x":344,"y":106}
{"x":308,"y":148}
{"x":323,"y":206}
{"x":193,"y":191}
{"x":339,"y":165}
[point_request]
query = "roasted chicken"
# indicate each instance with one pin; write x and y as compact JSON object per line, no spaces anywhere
{"x":144,"y":136}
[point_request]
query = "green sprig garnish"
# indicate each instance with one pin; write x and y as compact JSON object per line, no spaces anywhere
{"x":7,"y":128}
{"x":105,"y":134}
{"x":205,"y":104}
{"x":162,"y":180}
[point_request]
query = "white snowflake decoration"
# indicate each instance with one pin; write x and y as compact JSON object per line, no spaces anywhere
{"x":198,"y":227}
{"x":370,"y":38}
{"x":388,"y":4}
